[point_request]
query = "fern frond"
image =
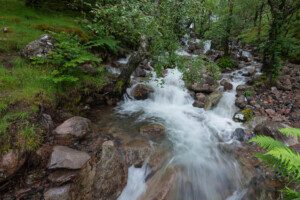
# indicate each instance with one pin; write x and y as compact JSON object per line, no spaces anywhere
{"x":266,"y":142}
{"x":295,"y":132}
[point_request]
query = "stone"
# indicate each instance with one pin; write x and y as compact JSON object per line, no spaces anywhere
{"x":140,"y":72}
{"x":228,"y":86}
{"x":270,"y":128}
{"x":39,"y":48}
{"x":223,"y":81}
{"x":62,"y":176}
{"x":212,"y":100}
{"x":241,"y":89}
{"x":136,"y":152}
{"x":203,"y":88}
{"x":58,"y":193}
{"x":64,"y":157}
{"x":239,"y":134}
{"x":200,"y":97}
{"x":141,"y":92}
{"x":270,"y":112}
{"x":47,"y":122}
{"x":239,"y":117}
{"x":199,"y":104}
{"x":152,"y":131}
{"x":111,"y":173}
{"x":10,"y":163}
{"x":72,"y":129}
{"x":241,"y":102}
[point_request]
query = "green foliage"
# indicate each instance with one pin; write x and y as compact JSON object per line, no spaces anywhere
{"x":291,"y":194}
{"x":226,"y":63}
{"x":248,"y":93}
{"x":248,"y":114}
{"x":282,"y":158}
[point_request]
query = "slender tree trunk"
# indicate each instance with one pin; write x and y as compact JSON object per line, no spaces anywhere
{"x":228,"y":28}
{"x":261,"y":9}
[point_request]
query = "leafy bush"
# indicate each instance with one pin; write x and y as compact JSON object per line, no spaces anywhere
{"x":226,"y":63}
{"x":282,"y":158}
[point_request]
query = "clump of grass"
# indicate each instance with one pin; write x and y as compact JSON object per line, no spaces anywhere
{"x":248,"y":114}
{"x":226,"y":63}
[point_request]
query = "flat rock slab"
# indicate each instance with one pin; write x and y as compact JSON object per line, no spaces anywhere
{"x":62,"y":176}
{"x":64,"y":157}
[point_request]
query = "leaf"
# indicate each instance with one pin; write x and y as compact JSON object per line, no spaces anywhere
{"x":294,"y":132}
{"x":266,"y":142}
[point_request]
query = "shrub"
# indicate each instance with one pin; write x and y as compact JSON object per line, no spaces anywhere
{"x":248,"y":114}
{"x":226,"y":63}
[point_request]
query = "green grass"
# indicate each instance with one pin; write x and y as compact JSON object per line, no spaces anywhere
{"x":27,"y":24}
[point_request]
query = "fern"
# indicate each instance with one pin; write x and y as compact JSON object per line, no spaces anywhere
{"x":109,"y":43}
{"x":266,"y":142}
{"x":294,"y":132}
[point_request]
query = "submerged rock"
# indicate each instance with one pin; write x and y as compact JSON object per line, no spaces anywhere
{"x":66,"y":158}
{"x":152,"y":131}
{"x":39,"y":48}
{"x":212,"y":100}
{"x":72,"y":129}
{"x":141,"y":91}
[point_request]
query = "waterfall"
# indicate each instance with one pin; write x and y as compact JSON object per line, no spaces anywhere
{"x":206,"y":172}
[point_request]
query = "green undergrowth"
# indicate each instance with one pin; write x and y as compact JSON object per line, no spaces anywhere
{"x":26,"y":24}
{"x":226,"y":63}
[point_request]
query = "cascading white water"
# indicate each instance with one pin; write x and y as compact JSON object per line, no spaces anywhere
{"x":205,"y":171}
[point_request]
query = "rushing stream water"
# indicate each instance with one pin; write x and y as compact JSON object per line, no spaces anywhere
{"x":205,"y":172}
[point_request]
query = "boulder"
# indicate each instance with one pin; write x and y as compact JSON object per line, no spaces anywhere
{"x":270,"y":128}
{"x":10,"y":163}
{"x":239,"y":117}
{"x":241,"y":102}
{"x":200,"y":100}
{"x":47,"y":122}
{"x":228,"y":86}
{"x":199,"y":104}
{"x":39,"y":48}
{"x":203,"y":88}
{"x":212,"y":100}
{"x":141,"y":92}
{"x":62,"y":176}
{"x":64,"y":157}
{"x":111,"y":173}
{"x":239,"y":134}
{"x":152,"y":131}
{"x":136,"y":152}
{"x":58,"y":193}
{"x":140,"y":72}
{"x":72,"y":129}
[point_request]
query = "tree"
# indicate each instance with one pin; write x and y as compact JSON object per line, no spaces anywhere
{"x":281,"y":11}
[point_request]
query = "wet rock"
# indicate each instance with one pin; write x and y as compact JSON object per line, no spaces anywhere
{"x":140,"y":72}
{"x":270,"y":128}
{"x":43,"y":154}
{"x":58,"y":193}
{"x":141,"y":92}
{"x":200,"y":100}
{"x":212,"y":100}
{"x":62,"y":176}
{"x":136,"y":152}
{"x":39,"y":48}
{"x":64,"y":157}
{"x":72,"y":129}
{"x":214,"y":55}
{"x":111,"y":173}
{"x":5,"y":29}
{"x":199,"y":104}
{"x":10,"y":163}
{"x":228,"y":86}
{"x":239,"y":117}
{"x":241,"y":102}
{"x":152,"y":131}
{"x":239,"y":134}
{"x":203,"y":88}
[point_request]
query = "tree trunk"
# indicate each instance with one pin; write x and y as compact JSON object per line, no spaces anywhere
{"x":228,"y":28}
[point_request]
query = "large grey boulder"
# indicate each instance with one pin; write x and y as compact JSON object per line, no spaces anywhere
{"x":58,"y":193}
{"x":67,"y":158}
{"x":212,"y":100}
{"x":39,"y":48}
{"x":72,"y":129}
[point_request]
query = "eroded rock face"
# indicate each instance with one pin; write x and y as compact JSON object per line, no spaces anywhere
{"x":58,"y":193}
{"x":64,"y":157}
{"x":72,"y":129}
{"x":111,"y":173}
{"x":141,"y":91}
{"x":212,"y":100}
{"x":152,"y":131}
{"x":39,"y":48}
{"x":10,"y":163}
{"x":270,"y":128}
